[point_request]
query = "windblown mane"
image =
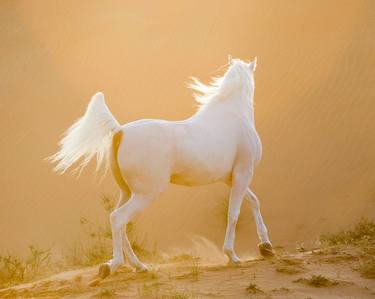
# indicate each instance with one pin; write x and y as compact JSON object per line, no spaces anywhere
{"x":220,"y":87}
{"x":204,"y":93}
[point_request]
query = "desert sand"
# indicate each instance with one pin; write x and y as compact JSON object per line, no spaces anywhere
{"x":314,"y":109}
{"x":324,"y":273}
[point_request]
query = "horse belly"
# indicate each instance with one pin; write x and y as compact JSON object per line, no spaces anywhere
{"x":204,"y":166}
{"x":191,"y":178}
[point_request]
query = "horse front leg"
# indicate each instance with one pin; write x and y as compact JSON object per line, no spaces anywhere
{"x":265,"y":246}
{"x":239,"y":185}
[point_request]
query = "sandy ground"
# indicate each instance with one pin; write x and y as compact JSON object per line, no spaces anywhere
{"x":314,"y":110}
{"x":284,"y":276}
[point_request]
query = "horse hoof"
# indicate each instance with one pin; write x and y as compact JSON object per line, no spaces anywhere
{"x":233,"y":258}
{"x":265,"y":250}
{"x":235,"y":262}
{"x":104,"y":271}
{"x":141,"y":268}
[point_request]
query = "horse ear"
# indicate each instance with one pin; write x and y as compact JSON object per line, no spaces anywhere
{"x":253,"y":65}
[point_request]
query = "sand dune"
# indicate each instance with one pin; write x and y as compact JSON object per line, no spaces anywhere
{"x":315,"y":110}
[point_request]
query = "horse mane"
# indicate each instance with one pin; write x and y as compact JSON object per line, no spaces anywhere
{"x":203,"y":93}
{"x":220,"y":87}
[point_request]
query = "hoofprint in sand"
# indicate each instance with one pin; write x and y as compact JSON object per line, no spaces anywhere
{"x":324,"y":273}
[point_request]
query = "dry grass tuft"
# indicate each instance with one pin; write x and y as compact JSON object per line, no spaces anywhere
{"x":362,"y":237}
{"x":177,"y":294}
{"x":14,"y":270}
{"x":317,"y":281}
{"x":252,"y":288}
{"x":363,"y":233}
{"x":97,"y":246}
{"x":106,"y":293}
{"x":367,"y":267}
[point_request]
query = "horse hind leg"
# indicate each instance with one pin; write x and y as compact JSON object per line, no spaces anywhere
{"x":119,"y":218}
{"x":118,"y":258}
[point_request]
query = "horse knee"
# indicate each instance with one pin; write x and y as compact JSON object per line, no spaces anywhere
{"x":116,"y":220}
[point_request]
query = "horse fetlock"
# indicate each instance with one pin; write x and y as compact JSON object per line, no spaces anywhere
{"x":233,"y":258}
{"x":114,"y":264}
{"x":140,"y":267}
{"x":137,"y":264}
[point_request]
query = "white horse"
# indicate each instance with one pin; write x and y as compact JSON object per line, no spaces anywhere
{"x":218,"y":143}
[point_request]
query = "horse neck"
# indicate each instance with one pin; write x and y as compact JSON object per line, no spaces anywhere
{"x":239,"y":104}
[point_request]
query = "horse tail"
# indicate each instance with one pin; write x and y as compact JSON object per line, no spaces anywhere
{"x":90,"y":136}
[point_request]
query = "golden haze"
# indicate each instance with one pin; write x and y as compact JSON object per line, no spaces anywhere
{"x":315,"y":110}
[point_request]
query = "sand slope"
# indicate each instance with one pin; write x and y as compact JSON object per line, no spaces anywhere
{"x":314,"y":97}
{"x":281,"y":277}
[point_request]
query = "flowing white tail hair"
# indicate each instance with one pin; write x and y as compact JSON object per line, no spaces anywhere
{"x":91,"y":135}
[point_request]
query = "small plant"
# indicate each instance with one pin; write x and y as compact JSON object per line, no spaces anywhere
{"x":89,"y":254}
{"x":97,"y":246}
{"x":37,"y":259}
{"x":363,"y":233}
{"x":106,"y":293}
{"x":137,"y":245}
{"x":107,"y":203}
{"x":154,"y":273}
{"x":14,"y":270}
{"x":195,"y":271}
{"x":149,"y":290}
{"x":178,"y":294}
{"x":252,"y":288}
{"x":301,"y":248}
{"x":362,"y":236}
{"x":317,"y":281}
{"x":367,"y":268}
